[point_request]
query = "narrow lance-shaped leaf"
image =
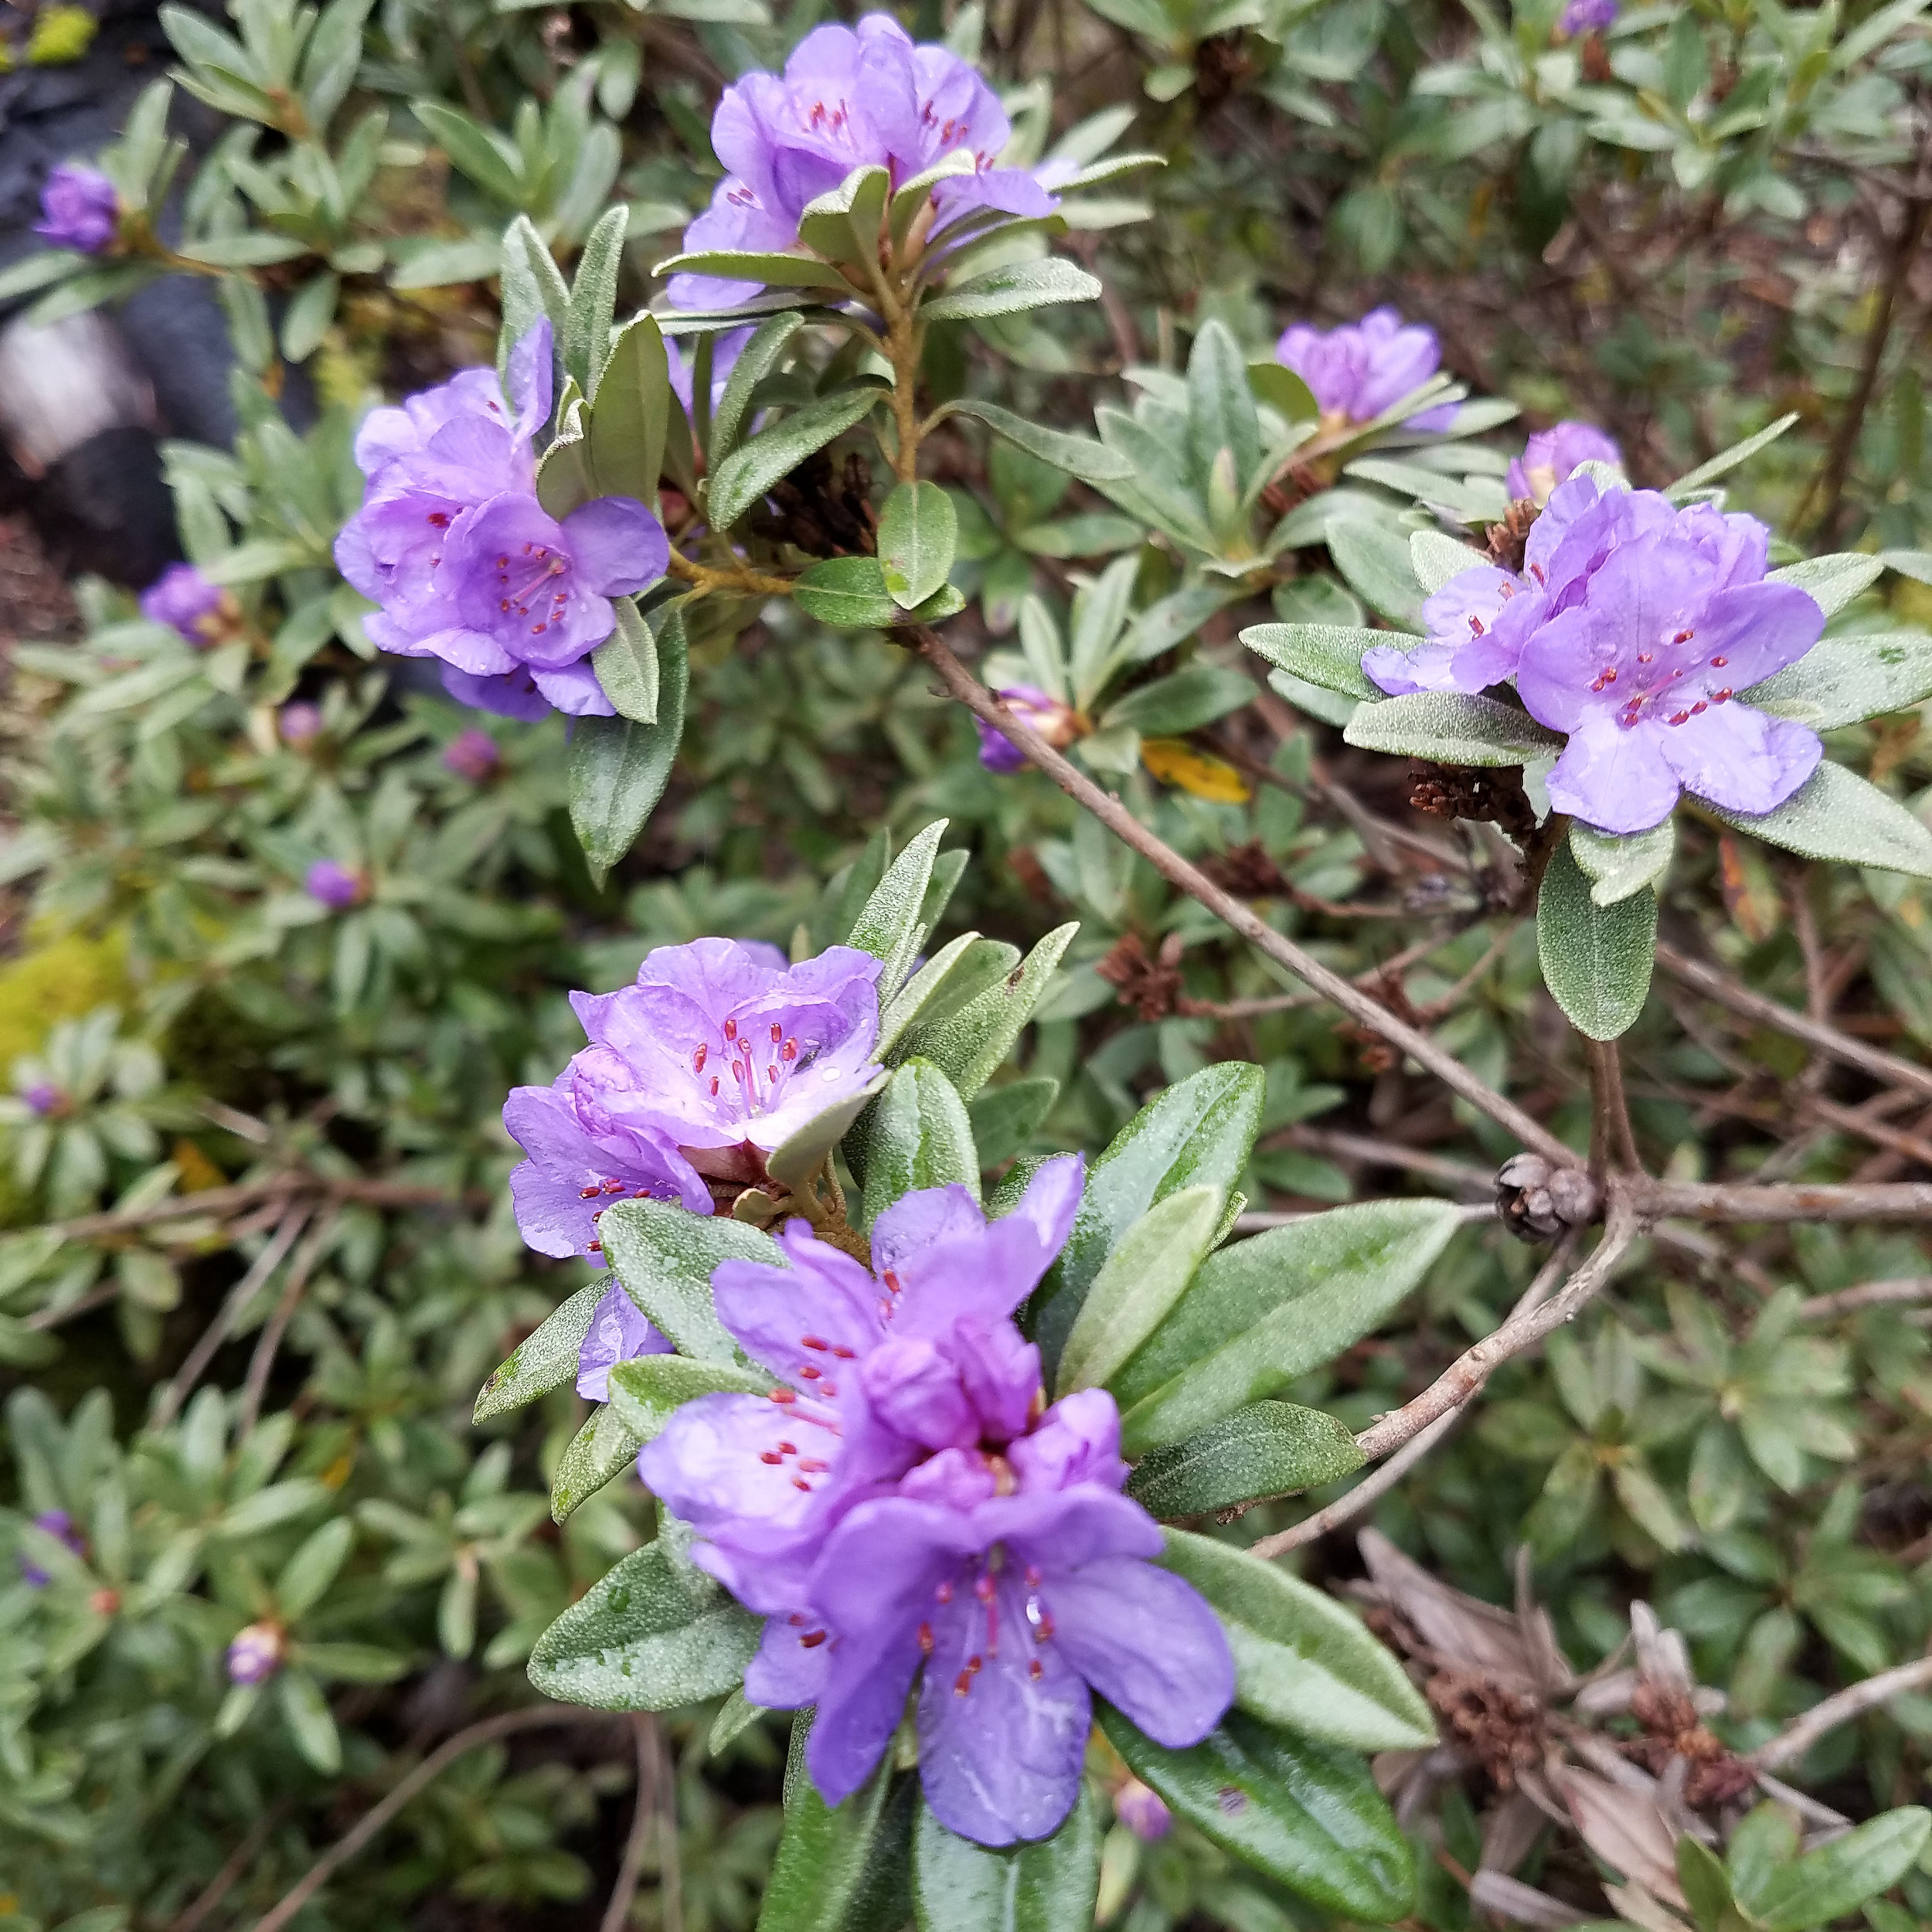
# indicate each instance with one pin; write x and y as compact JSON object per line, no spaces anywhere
{"x":1595,"y":959}
{"x":742,"y":479}
{"x":544,"y":1360}
{"x":842,"y":1870}
{"x":917,"y":532}
{"x":1267,"y":1449}
{"x":920,"y":1137}
{"x":619,"y":768}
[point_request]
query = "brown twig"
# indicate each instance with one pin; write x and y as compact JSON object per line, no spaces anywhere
{"x":1870,"y":1295}
{"x":1798,"y":1737}
{"x":1231,"y":912}
{"x":263,"y":1361}
{"x":232,"y":1871}
{"x":244,"y":1291}
{"x":1474,"y":1366}
{"x":1742,"y":1201}
{"x":426,"y":1774}
{"x":218,"y":1201}
{"x":1612,"y":1143}
{"x":643,"y":1821}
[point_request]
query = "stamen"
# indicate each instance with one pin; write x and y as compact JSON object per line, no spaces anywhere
{"x":926,"y":1638}
{"x":1719,"y":663}
{"x":812,"y":1639}
{"x":812,"y":1341}
{"x":588,"y":1193}
{"x":698,"y":1059}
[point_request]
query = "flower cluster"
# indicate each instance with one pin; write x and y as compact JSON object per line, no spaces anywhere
{"x":903,"y":1502}
{"x":79,"y":209}
{"x":1357,"y":371}
{"x":467,"y":566}
{"x":849,"y":98}
{"x":1631,"y":629}
{"x":1551,"y":457}
{"x":717,"y":1055}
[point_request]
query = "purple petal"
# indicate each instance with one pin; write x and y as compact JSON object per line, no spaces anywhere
{"x":1739,"y":758}
{"x":618,"y":546}
{"x":1077,"y":1441}
{"x":793,"y":1665}
{"x":513,"y":695}
{"x":1618,"y":782}
{"x":620,"y":1332}
{"x":573,"y":689}
{"x":1147,"y":1642}
{"x":916,"y":1390}
{"x":1757,"y":629}
{"x":531,"y":378}
{"x":1426,"y":667}
{"x":825,"y":1296}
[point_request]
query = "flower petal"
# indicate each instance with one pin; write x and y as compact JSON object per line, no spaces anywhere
{"x":1739,"y":758}
{"x":618,"y":545}
{"x":1617,"y":781}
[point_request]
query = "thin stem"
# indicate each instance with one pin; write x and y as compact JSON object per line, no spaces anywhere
{"x":902,"y":345}
{"x":234,"y":1870}
{"x":1725,"y":992}
{"x":1474,"y":1366}
{"x":262,"y":1361}
{"x":738,"y":577}
{"x":1797,"y":1737}
{"x":670,"y":1870}
{"x":1613,"y":1144}
{"x":1728,"y":1201}
{"x":218,"y":1201}
{"x":1231,"y":912}
{"x":644,"y":1817}
{"x":425,"y":1774}
{"x":1870,"y":1295}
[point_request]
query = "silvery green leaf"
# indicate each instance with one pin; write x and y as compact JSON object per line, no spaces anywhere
{"x":1837,"y":815}
{"x":1012,"y":289}
{"x":918,"y":1137}
{"x":1618,"y":866}
{"x":1596,"y":958}
{"x":544,"y":1360}
{"x":1448,"y":728}
{"x":1832,"y":582}
{"x":1327,"y":654}
{"x":889,"y":926}
{"x":1437,"y":558}
{"x":663,"y":1255}
{"x":601,"y":1451}
{"x":1726,"y":460}
{"x":968,"y":1045}
{"x":1267,"y":1449}
{"x":1373,"y":556}
{"x":804,"y":1153}
{"x":1840,"y":680}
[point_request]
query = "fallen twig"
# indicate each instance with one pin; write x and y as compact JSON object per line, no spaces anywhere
{"x":1798,"y":1737}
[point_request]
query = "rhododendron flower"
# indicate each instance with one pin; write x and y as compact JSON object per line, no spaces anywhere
{"x":472,"y":754}
{"x":1054,"y":722}
{"x":44,"y":1097}
{"x":718,"y":1053}
{"x":299,"y":723}
{"x":256,"y":1654}
{"x":1356,"y":371}
{"x":467,"y":565}
{"x":1587,"y":16}
{"x":1551,"y":455}
{"x":902,"y":1502}
{"x":79,"y":209}
{"x":1143,"y":1812}
{"x":337,"y":886}
{"x":620,"y":1332}
{"x":848,"y":98}
{"x":183,"y":599}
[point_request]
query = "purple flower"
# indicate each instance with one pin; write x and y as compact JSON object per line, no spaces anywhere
{"x":473,"y":755}
{"x":1356,"y":371}
{"x":44,"y":1097}
{"x":724,"y":352}
{"x":57,"y":1523}
{"x":300,"y":723}
{"x":256,"y":1654}
{"x":1551,"y":454}
{"x":79,"y":209}
{"x":901,"y":1502}
{"x":466,"y":564}
{"x":1142,"y":1812}
{"x":849,"y":98}
{"x":1587,"y":16}
{"x":181,"y":598}
{"x":1054,"y":722}
{"x":717,"y":1054}
{"x":620,"y":1332}
{"x":339,"y":887}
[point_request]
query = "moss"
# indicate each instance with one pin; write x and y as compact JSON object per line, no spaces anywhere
{"x":62,"y":979}
{"x":61,"y":34}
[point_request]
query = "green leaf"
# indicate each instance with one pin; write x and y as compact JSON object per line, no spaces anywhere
{"x":1264,"y":1310}
{"x":889,"y":926}
{"x":735,"y":1717}
{"x":1138,"y":1283}
{"x":624,"y":446}
{"x":317,"y":1559}
{"x":544,"y":1360}
{"x":1728,"y":460}
{"x":1011,"y":291}
{"x":306,"y":1711}
{"x":1079,"y":456}
{"x":1267,"y":1449}
{"x":1618,"y":866}
{"x":1184,"y":701}
{"x":920,"y":1137}
{"x":652,"y":1634}
{"x":1307,"y":1814}
{"x":774,"y":270}
{"x":647,"y":1391}
{"x":847,"y":1870}
{"x":1221,"y":411}
{"x":1448,"y":728}
{"x":1199,"y":1132}
{"x":802,"y":1155}
{"x":847,"y":593}
{"x":1279,"y":387}
{"x":1327,"y":654}
{"x":1302,"y":1661}
{"x":252,"y":249}
{"x":619,"y":768}
{"x":1837,"y":1878}
{"x":844,"y":224}
{"x":586,"y":341}
{"x":1373,"y":555}
{"x":918,"y":531}
{"x":1596,"y":958}
{"x":741,"y":481}
{"x":1837,"y":815}
{"x":627,"y":665}
{"x":1707,"y":1890}
{"x":1436,"y":559}
{"x":306,"y":321}
{"x":473,"y":151}
{"x":532,"y":287}
{"x":598,"y":1454}
{"x":759,"y":357}
{"x":1005,"y":1118}
{"x":663,"y":1255}
{"x":963,"y":969}
{"x":911,"y":197}
{"x":1832,"y":582}
{"x":1840,"y":680}
{"x":1049,"y":1886}
{"x":968,"y":1045}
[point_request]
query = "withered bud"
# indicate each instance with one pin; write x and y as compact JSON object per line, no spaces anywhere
{"x":1538,"y":1200}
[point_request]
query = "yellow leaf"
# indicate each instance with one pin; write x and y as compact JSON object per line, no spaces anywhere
{"x":1174,"y":762}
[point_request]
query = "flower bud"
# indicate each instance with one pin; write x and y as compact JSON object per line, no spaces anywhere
{"x":1142,"y":1812}
{"x":473,"y":755}
{"x":338,"y":887}
{"x":256,"y":1654}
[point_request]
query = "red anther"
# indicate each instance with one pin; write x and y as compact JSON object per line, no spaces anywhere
{"x":771,"y":1072}
{"x":613,"y":1186}
{"x":799,"y":1482}
{"x":1719,"y":663}
{"x":891,"y":1279}
{"x":812,"y":1341}
{"x":1645,"y":656}
{"x":1043,"y":1630}
{"x":771,"y":1456}
{"x":926,"y":1638}
{"x":596,"y":1215}
{"x":1679,"y":717}
{"x":842,"y":1355}
{"x":1536,"y":571}
{"x":437,"y":518}
{"x":596,"y":1247}
{"x":642,"y":1194}
{"x":976,"y":1665}
{"x":811,"y":1372}
{"x":1718,"y":697}
{"x":1683,"y":637}
{"x":1035,"y":1670}
{"x":830,"y":1391}
{"x":714,"y":1086}
{"x":777,"y":1032}
{"x":1610,"y":676}
{"x":944,"y":1592}
{"x":1475,"y":625}
{"x":782,"y":1396}
{"x":962,"y":1683}
{"x":812,"y":1466}
{"x":983,"y":1587}
{"x":731,"y":1029}
{"x":812,"y":1639}
{"x":791,"y":1050}
{"x":788,"y":1448}
{"x":1700,"y":705}
{"x":587,"y":1193}
{"x":697,"y":1058}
